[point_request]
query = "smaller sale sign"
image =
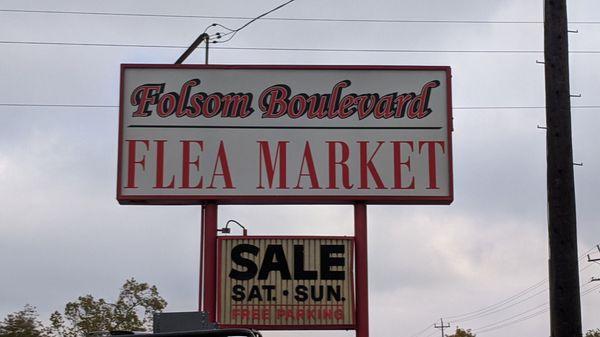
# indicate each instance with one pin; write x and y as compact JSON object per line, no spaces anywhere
{"x":286,"y":282}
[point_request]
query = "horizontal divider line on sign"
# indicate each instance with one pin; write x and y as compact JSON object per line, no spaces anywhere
{"x":290,"y":127}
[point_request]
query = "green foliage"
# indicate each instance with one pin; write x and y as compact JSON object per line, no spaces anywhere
{"x":462,"y":333}
{"x":593,"y":333}
{"x":23,"y":323}
{"x":133,"y":311}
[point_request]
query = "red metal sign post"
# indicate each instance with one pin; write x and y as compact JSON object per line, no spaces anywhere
{"x":208,"y":268}
{"x":209,"y":252}
{"x":362,"y":275}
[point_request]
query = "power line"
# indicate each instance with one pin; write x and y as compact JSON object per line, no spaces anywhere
{"x":189,"y":16}
{"x":232,"y":32}
{"x":63,"y":105}
{"x":501,"y":308}
{"x":498,"y":304}
{"x":495,"y":325}
{"x":505,"y":304}
{"x":408,"y":51}
{"x":429,"y":326}
{"x":514,"y":322}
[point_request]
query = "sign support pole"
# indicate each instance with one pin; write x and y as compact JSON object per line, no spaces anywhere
{"x":362,"y":275}
{"x":209,"y":254}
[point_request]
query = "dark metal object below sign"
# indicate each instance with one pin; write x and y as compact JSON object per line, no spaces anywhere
{"x":182,"y":321}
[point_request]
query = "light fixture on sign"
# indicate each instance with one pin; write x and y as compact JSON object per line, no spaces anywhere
{"x":227,"y":230}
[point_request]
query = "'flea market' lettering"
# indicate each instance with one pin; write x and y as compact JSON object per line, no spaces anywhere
{"x":277,"y":101}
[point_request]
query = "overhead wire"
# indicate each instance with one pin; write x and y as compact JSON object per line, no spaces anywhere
{"x":192,"y":16}
{"x":366,"y":50}
{"x":64,"y":105}
{"x":509,"y":302}
{"x":495,"y":326}
{"x":506,"y":322}
{"x":232,"y":32}
{"x":429,"y":326}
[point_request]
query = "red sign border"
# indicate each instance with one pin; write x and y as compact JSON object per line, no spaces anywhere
{"x":285,"y":200}
{"x":220,"y":240}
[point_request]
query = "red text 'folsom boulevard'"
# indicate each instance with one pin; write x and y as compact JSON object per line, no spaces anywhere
{"x":278,"y":101}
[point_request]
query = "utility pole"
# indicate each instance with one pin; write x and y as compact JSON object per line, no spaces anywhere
{"x":565,"y":302}
{"x":441,"y":326}
{"x":594,"y":279}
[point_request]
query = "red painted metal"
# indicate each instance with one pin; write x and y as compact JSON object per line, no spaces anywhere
{"x":201,"y":273}
{"x":210,"y":260}
{"x":362,"y":275}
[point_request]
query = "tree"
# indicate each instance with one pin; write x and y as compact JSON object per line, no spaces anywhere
{"x":593,"y":333}
{"x":23,"y":323}
{"x":462,"y":333}
{"x":133,"y":310}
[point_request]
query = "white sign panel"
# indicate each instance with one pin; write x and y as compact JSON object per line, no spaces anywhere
{"x":284,"y":134}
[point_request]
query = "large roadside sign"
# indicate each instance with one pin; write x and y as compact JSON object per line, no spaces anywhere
{"x":191,"y":134}
{"x":286,"y":282}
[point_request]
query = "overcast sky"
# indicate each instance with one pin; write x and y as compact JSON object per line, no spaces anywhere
{"x":63,"y":234}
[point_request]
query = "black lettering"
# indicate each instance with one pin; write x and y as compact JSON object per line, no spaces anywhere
{"x":299,"y":272}
{"x":238,"y":292}
{"x":269,"y":290}
{"x":249,"y":265}
{"x":274,"y":261}
{"x":327,"y":262}
{"x":334,"y":293}
{"x":255,"y":294}
{"x":301,"y":293}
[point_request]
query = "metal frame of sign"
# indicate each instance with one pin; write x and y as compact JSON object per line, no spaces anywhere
{"x":356,"y":296}
{"x":346,"y":199}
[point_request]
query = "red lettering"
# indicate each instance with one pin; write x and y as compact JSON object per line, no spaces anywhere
{"x":346,"y":106}
{"x":335,"y":96}
{"x":419,"y":107}
{"x":297,"y":106}
{"x":312,"y":172}
{"x":167,"y":104}
{"x":401,"y":102}
{"x":367,"y":166}
{"x":271,"y":165}
{"x":160,"y":166}
{"x":333,"y":163}
{"x":184,"y":95}
{"x":365,"y":105}
{"x":273,"y":101}
{"x":398,"y":163}
{"x":225,"y":173}
{"x":131,"y":162}
{"x":212,"y":105}
{"x":185,"y":174}
{"x":143,"y":96}
{"x":383,"y":108}
{"x":237,"y":105}
{"x":432,"y":161}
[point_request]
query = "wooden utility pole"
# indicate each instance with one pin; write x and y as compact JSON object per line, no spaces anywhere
{"x":565,"y":303}
{"x":441,"y":326}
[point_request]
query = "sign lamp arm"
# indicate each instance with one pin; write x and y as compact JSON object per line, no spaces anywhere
{"x":227,"y":230}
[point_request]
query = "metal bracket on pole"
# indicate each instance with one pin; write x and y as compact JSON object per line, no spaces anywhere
{"x":203,"y":37}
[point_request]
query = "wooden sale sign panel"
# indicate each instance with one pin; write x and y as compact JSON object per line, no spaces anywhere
{"x":286,"y":282}
{"x":284,"y":134}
